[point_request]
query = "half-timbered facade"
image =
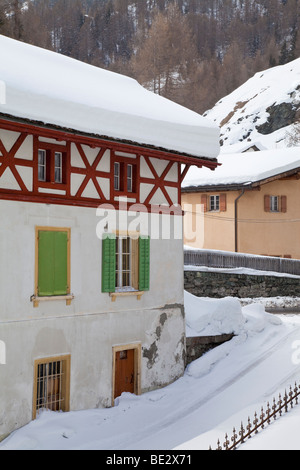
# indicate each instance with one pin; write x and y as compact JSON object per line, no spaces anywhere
{"x":91,"y":291}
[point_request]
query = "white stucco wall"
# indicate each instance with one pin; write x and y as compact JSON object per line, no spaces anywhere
{"x":90,"y":327}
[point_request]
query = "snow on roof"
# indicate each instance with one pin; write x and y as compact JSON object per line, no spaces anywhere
{"x":47,"y":87}
{"x":245,"y":168}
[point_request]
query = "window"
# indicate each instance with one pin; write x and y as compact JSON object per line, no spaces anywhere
{"x":275,"y":203}
{"x":125,"y":263}
{"x":124,"y":177}
{"x":51,"y":384}
{"x":52,"y":261}
{"x":58,"y":167}
{"x":42,"y":165}
{"x":214,"y":203}
{"x":50,"y":166}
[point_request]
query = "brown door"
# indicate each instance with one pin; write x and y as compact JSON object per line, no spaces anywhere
{"x":124,"y":372}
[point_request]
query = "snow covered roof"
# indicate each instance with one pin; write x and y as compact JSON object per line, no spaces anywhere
{"x":246,"y":168}
{"x":43,"y":86}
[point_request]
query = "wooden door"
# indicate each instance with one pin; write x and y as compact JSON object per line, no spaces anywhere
{"x":124,"y":372}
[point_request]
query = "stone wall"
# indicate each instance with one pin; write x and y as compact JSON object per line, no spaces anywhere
{"x":218,"y":285}
{"x":196,"y":346}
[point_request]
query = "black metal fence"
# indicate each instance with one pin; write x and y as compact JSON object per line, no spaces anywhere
{"x":229,"y":260}
{"x":282,"y":405}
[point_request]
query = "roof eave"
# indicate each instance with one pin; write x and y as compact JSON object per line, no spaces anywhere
{"x":66,"y":133}
{"x":239,"y":186}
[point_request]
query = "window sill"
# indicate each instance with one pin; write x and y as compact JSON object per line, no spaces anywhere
{"x":36,"y":300}
{"x":114,"y":295}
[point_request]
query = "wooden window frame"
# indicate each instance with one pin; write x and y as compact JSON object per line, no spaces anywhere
{"x":36,"y":299}
{"x":274,"y":204}
{"x":50,"y":180}
{"x":281,"y":204}
{"x":133,"y":289}
{"x":137,"y":366}
{"x":122,"y":177}
{"x":214,"y":203}
{"x":66,"y":360}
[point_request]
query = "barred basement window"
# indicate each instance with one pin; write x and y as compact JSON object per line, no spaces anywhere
{"x":51,"y":385}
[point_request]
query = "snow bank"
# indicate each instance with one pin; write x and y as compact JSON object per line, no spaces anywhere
{"x":54,"y":89}
{"x":209,"y":317}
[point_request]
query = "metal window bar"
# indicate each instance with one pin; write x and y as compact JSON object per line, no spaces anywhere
{"x":50,"y":377}
{"x":282,"y":405}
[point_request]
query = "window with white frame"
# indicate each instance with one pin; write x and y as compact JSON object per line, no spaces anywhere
{"x":214,"y":203}
{"x":50,"y":166}
{"x":58,"y":167}
{"x":124,"y":177}
{"x":42,"y":165}
{"x":274,"y":203}
{"x":123,"y":263}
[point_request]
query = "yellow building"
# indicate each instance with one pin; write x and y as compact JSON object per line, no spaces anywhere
{"x":249,"y":204}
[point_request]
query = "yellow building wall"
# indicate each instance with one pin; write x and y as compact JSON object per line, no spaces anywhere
{"x":259,"y":232}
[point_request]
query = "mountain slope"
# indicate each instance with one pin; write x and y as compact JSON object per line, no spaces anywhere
{"x":261,"y":111}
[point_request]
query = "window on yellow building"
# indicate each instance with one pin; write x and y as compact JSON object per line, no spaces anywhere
{"x":275,"y":203}
{"x":214,"y":202}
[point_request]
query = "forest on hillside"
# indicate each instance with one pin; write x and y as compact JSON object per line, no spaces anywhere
{"x":191,"y":51}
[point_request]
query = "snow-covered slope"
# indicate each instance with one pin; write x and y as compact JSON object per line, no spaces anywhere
{"x":53,"y":89}
{"x":261,"y":111}
{"x":217,"y":392}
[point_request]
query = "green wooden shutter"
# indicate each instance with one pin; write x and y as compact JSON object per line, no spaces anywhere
{"x":109,"y":263}
{"x":52,"y":263}
{"x":60,"y":263}
{"x":144,"y":263}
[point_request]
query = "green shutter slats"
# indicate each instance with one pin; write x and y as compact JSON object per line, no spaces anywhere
{"x":144,"y":263}
{"x":60,"y":263}
{"x":52,"y":263}
{"x":109,"y":263}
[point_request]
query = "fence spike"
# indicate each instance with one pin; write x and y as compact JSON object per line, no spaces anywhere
{"x":249,"y":426}
{"x":255,"y":422}
{"x":279,"y":404}
{"x":291,"y":396}
{"x":242,"y":432}
{"x":285,"y":402}
{"x":227,"y":442}
{"x":262,"y":418}
{"x":274,"y":408}
{"x":268,"y":413}
{"x":234,"y":437}
{"x":296,"y":393}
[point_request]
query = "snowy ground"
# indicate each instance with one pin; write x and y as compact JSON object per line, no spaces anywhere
{"x":217,"y":392}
